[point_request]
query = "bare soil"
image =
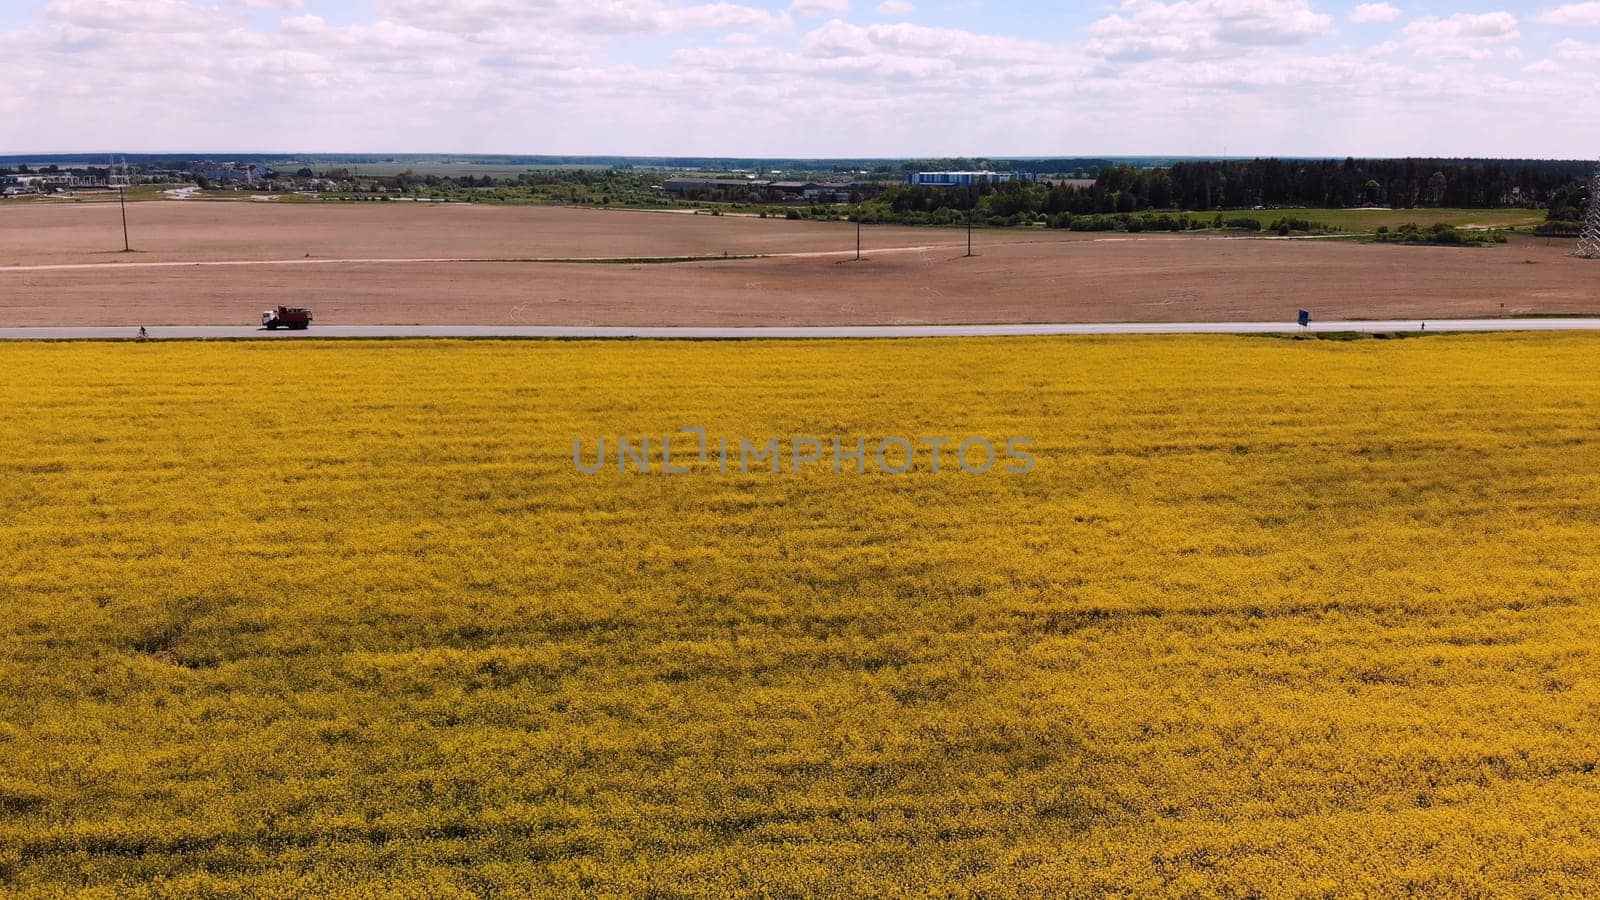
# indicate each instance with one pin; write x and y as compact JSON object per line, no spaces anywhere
{"x":64,"y":233}
{"x":1017,"y":276}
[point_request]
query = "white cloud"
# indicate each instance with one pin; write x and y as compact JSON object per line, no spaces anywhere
{"x":1573,"y":15}
{"x":716,"y":16}
{"x":1371,"y":13}
{"x":140,"y":15}
{"x":272,"y":4}
{"x":949,"y":45}
{"x":814,"y":8}
{"x":307,"y":24}
{"x":600,"y":17}
{"x":1461,"y":36}
{"x":292,"y":63}
{"x":1150,"y":29}
{"x":739,"y":77}
{"x":1570,"y":58}
{"x":1578,"y":51}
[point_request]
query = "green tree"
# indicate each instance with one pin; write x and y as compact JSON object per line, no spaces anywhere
{"x":1437,"y":185}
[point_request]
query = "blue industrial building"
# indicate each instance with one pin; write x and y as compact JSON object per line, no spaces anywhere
{"x":965,"y":179}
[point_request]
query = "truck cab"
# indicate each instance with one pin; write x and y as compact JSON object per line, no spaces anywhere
{"x":292,"y":317}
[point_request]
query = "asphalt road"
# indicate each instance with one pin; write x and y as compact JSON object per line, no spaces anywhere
{"x":229,"y":332}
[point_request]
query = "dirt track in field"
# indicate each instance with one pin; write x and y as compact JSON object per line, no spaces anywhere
{"x":1018,"y":276}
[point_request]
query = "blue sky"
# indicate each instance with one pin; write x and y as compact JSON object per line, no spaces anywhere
{"x":804,"y":77}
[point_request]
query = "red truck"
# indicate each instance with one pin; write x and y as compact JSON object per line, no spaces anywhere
{"x":292,"y":317}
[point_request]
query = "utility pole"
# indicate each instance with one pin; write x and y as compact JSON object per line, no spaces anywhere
{"x":122,"y":201}
{"x":969,"y":230}
{"x":858,"y":233}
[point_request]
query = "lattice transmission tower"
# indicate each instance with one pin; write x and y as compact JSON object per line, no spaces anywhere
{"x":120,"y":174}
{"x":1589,"y":241}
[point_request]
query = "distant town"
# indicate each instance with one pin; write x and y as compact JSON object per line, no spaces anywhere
{"x":24,"y":180}
{"x":1288,"y":197}
{"x":54,"y":178}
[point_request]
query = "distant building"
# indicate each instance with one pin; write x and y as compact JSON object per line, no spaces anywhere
{"x":712,"y":186}
{"x":222,"y":172}
{"x":965,"y":179}
{"x":1070,"y":182}
{"x":833,"y":193}
{"x":816,"y":191}
{"x":767,"y":191}
{"x":46,"y":183}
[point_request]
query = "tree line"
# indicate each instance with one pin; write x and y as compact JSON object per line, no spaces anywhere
{"x":1567,"y":211}
{"x":1265,"y":184}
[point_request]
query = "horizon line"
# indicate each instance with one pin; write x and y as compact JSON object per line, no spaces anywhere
{"x":735,"y":156}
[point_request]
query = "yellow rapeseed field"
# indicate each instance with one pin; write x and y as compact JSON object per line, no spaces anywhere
{"x":342,"y":618}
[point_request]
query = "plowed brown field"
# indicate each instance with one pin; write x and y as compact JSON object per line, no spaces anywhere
{"x":398,"y":263}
